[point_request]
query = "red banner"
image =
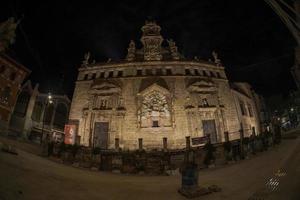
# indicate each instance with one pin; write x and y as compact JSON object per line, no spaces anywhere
{"x":70,"y":134}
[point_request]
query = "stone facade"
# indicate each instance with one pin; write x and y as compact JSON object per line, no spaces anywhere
{"x":154,"y":95}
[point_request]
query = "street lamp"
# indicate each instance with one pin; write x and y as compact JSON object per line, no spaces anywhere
{"x":48,"y":101}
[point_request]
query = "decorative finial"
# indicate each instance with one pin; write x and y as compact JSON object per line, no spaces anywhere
{"x":152,"y":41}
{"x":131,"y":51}
{"x":173,"y":49}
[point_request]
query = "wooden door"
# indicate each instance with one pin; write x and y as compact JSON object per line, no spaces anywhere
{"x":101,"y":135}
{"x":209,"y":128}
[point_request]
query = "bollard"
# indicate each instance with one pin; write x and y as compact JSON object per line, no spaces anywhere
{"x":188,"y":142}
{"x":140,"y":144}
{"x":165,"y":143}
{"x":189,"y":176}
{"x":187,"y":149}
{"x":226,"y":135}
{"x":117,"y":143}
{"x":242,"y":153}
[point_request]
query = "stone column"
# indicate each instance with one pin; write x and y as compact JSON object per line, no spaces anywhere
{"x":53,"y":114}
{"x":28,"y":121}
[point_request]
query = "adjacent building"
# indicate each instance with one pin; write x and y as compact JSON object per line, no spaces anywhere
{"x":12,"y":75}
{"x":38,"y":114}
{"x":157,"y":97}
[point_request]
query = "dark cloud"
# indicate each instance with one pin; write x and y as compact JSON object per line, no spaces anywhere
{"x":246,"y":34}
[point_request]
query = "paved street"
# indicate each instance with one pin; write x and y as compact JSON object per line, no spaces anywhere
{"x":28,"y":176}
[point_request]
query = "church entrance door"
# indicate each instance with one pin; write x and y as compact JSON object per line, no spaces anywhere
{"x":209,"y":129}
{"x":101,"y":135}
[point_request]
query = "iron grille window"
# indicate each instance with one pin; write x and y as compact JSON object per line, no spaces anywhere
{"x":158,"y":72}
{"x":250,"y":110}
{"x":169,"y":72}
{"x":110,"y":74}
{"x":242,"y":107}
{"x":139,"y":72}
{"x":102,"y":75}
{"x":155,"y":123}
{"x":187,"y":72}
{"x":120,"y":73}
{"x":149,"y":72}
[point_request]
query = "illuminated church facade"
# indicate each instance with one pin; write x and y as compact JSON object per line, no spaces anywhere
{"x":156,"y":97}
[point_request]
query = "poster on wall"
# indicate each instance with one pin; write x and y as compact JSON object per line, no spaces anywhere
{"x":70,"y":134}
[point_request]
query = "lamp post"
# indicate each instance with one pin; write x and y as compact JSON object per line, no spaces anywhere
{"x":48,"y":101}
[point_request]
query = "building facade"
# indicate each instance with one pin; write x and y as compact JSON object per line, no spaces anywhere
{"x":34,"y":115}
{"x":154,"y":97}
{"x":12,"y":75}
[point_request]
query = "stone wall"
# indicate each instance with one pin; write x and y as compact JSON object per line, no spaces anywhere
{"x":184,"y":91}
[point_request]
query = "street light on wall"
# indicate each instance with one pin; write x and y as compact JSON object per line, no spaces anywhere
{"x":49,"y":100}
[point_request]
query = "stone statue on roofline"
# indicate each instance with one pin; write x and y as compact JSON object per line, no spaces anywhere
{"x":7,"y":33}
{"x":173,"y":49}
{"x":87,"y":57}
{"x":216,"y":59}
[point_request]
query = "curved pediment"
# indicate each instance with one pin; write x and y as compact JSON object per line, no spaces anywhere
{"x":202,"y":86}
{"x":105,"y":88}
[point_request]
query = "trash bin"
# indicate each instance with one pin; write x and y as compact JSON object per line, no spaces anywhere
{"x":189,"y":176}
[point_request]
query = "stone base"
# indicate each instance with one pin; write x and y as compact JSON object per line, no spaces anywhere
{"x":195,"y":192}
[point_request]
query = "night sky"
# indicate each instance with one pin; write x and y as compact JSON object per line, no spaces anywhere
{"x":252,"y":42}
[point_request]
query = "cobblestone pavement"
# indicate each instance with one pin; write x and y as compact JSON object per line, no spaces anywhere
{"x":28,"y":176}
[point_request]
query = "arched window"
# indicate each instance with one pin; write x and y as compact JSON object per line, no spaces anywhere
{"x":48,"y":113}
{"x":61,"y":116}
{"x":37,"y":111}
{"x":22,"y":103}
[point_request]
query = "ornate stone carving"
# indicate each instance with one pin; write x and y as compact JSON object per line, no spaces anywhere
{"x":155,"y":105}
{"x":152,"y":40}
{"x":154,"y":102}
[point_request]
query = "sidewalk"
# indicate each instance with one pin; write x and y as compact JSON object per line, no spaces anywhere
{"x":39,"y":178}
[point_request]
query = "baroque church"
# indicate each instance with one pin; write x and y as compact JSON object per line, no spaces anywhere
{"x":156,"y":97}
